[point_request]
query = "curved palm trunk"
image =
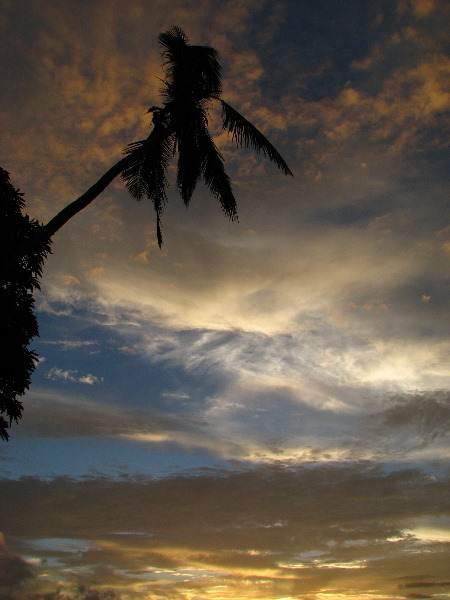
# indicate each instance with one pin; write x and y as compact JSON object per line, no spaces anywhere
{"x":48,"y":230}
{"x":85,"y":199}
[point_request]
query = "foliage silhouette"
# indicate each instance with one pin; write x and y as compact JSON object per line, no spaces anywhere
{"x":180,"y":126}
{"x":19,"y":277}
{"x":193,"y":80}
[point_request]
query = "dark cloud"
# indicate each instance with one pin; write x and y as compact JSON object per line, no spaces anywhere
{"x":439,"y":589}
{"x":425,"y":584}
{"x":355,"y":213}
{"x":426,"y":416}
{"x":266,"y":523}
{"x":63,"y":417}
{"x":14,"y":572}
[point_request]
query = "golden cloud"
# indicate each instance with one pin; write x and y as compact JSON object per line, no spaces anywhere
{"x":70,"y":280}
{"x":96,"y":273}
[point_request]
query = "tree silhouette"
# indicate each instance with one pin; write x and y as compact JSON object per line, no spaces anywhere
{"x":193,"y":80}
{"x":19,"y":277}
{"x":180,"y":126}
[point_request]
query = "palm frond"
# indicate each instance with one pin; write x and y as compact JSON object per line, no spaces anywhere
{"x":189,"y":156}
{"x":159,"y":230}
{"x":189,"y":168}
{"x":246,"y":134}
{"x":214,"y":175}
{"x":193,"y":73}
{"x":134,"y":175}
{"x":205,"y":72}
{"x":146,"y":175}
{"x":173,"y":41}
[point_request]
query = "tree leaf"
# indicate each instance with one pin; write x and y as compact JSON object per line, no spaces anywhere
{"x":246,"y":134}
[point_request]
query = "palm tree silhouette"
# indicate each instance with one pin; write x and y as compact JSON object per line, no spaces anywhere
{"x":180,"y":126}
{"x":193,"y":80}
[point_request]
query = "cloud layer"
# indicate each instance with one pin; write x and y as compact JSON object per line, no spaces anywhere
{"x":261,"y":409}
{"x":295,"y":532}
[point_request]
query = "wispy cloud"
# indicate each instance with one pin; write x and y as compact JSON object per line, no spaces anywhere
{"x":70,"y":344}
{"x":253,"y":421}
{"x":55,"y":373}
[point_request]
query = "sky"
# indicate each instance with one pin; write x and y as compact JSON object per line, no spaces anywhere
{"x":259,"y":410}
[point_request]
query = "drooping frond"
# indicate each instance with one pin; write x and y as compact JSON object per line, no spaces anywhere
{"x":214,"y":175}
{"x":189,"y":171}
{"x":146,"y":176}
{"x":204,"y":71}
{"x":158,"y":230}
{"x":246,"y":134}
{"x":189,"y":156}
{"x":134,"y":175}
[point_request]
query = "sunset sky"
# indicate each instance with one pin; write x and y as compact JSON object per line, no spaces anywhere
{"x":259,"y":410}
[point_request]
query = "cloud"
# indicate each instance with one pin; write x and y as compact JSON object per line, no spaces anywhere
{"x":74,"y":416}
{"x":423,"y":8}
{"x":70,"y":280}
{"x":55,"y":373}
{"x":393,"y":97}
{"x":70,"y":344}
{"x":431,"y":530}
{"x":126,"y":350}
{"x":300,"y":530}
{"x":317,"y":339}
{"x":250,"y":421}
{"x":323,"y":354}
{"x":14,"y":570}
{"x":96,"y":272}
{"x":92,"y":75}
{"x":425,"y":417}
{"x":142,"y":257}
{"x":246,"y":283}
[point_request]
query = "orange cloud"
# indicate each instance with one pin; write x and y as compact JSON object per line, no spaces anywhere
{"x":126,"y":350}
{"x":423,"y":8}
{"x":142,"y":257}
{"x":70,"y":280}
{"x":96,"y":273}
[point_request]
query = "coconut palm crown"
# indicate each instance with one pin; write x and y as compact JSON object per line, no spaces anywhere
{"x":193,"y":80}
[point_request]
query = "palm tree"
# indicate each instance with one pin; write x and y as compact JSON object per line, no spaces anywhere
{"x":180,"y":126}
{"x":193,"y":80}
